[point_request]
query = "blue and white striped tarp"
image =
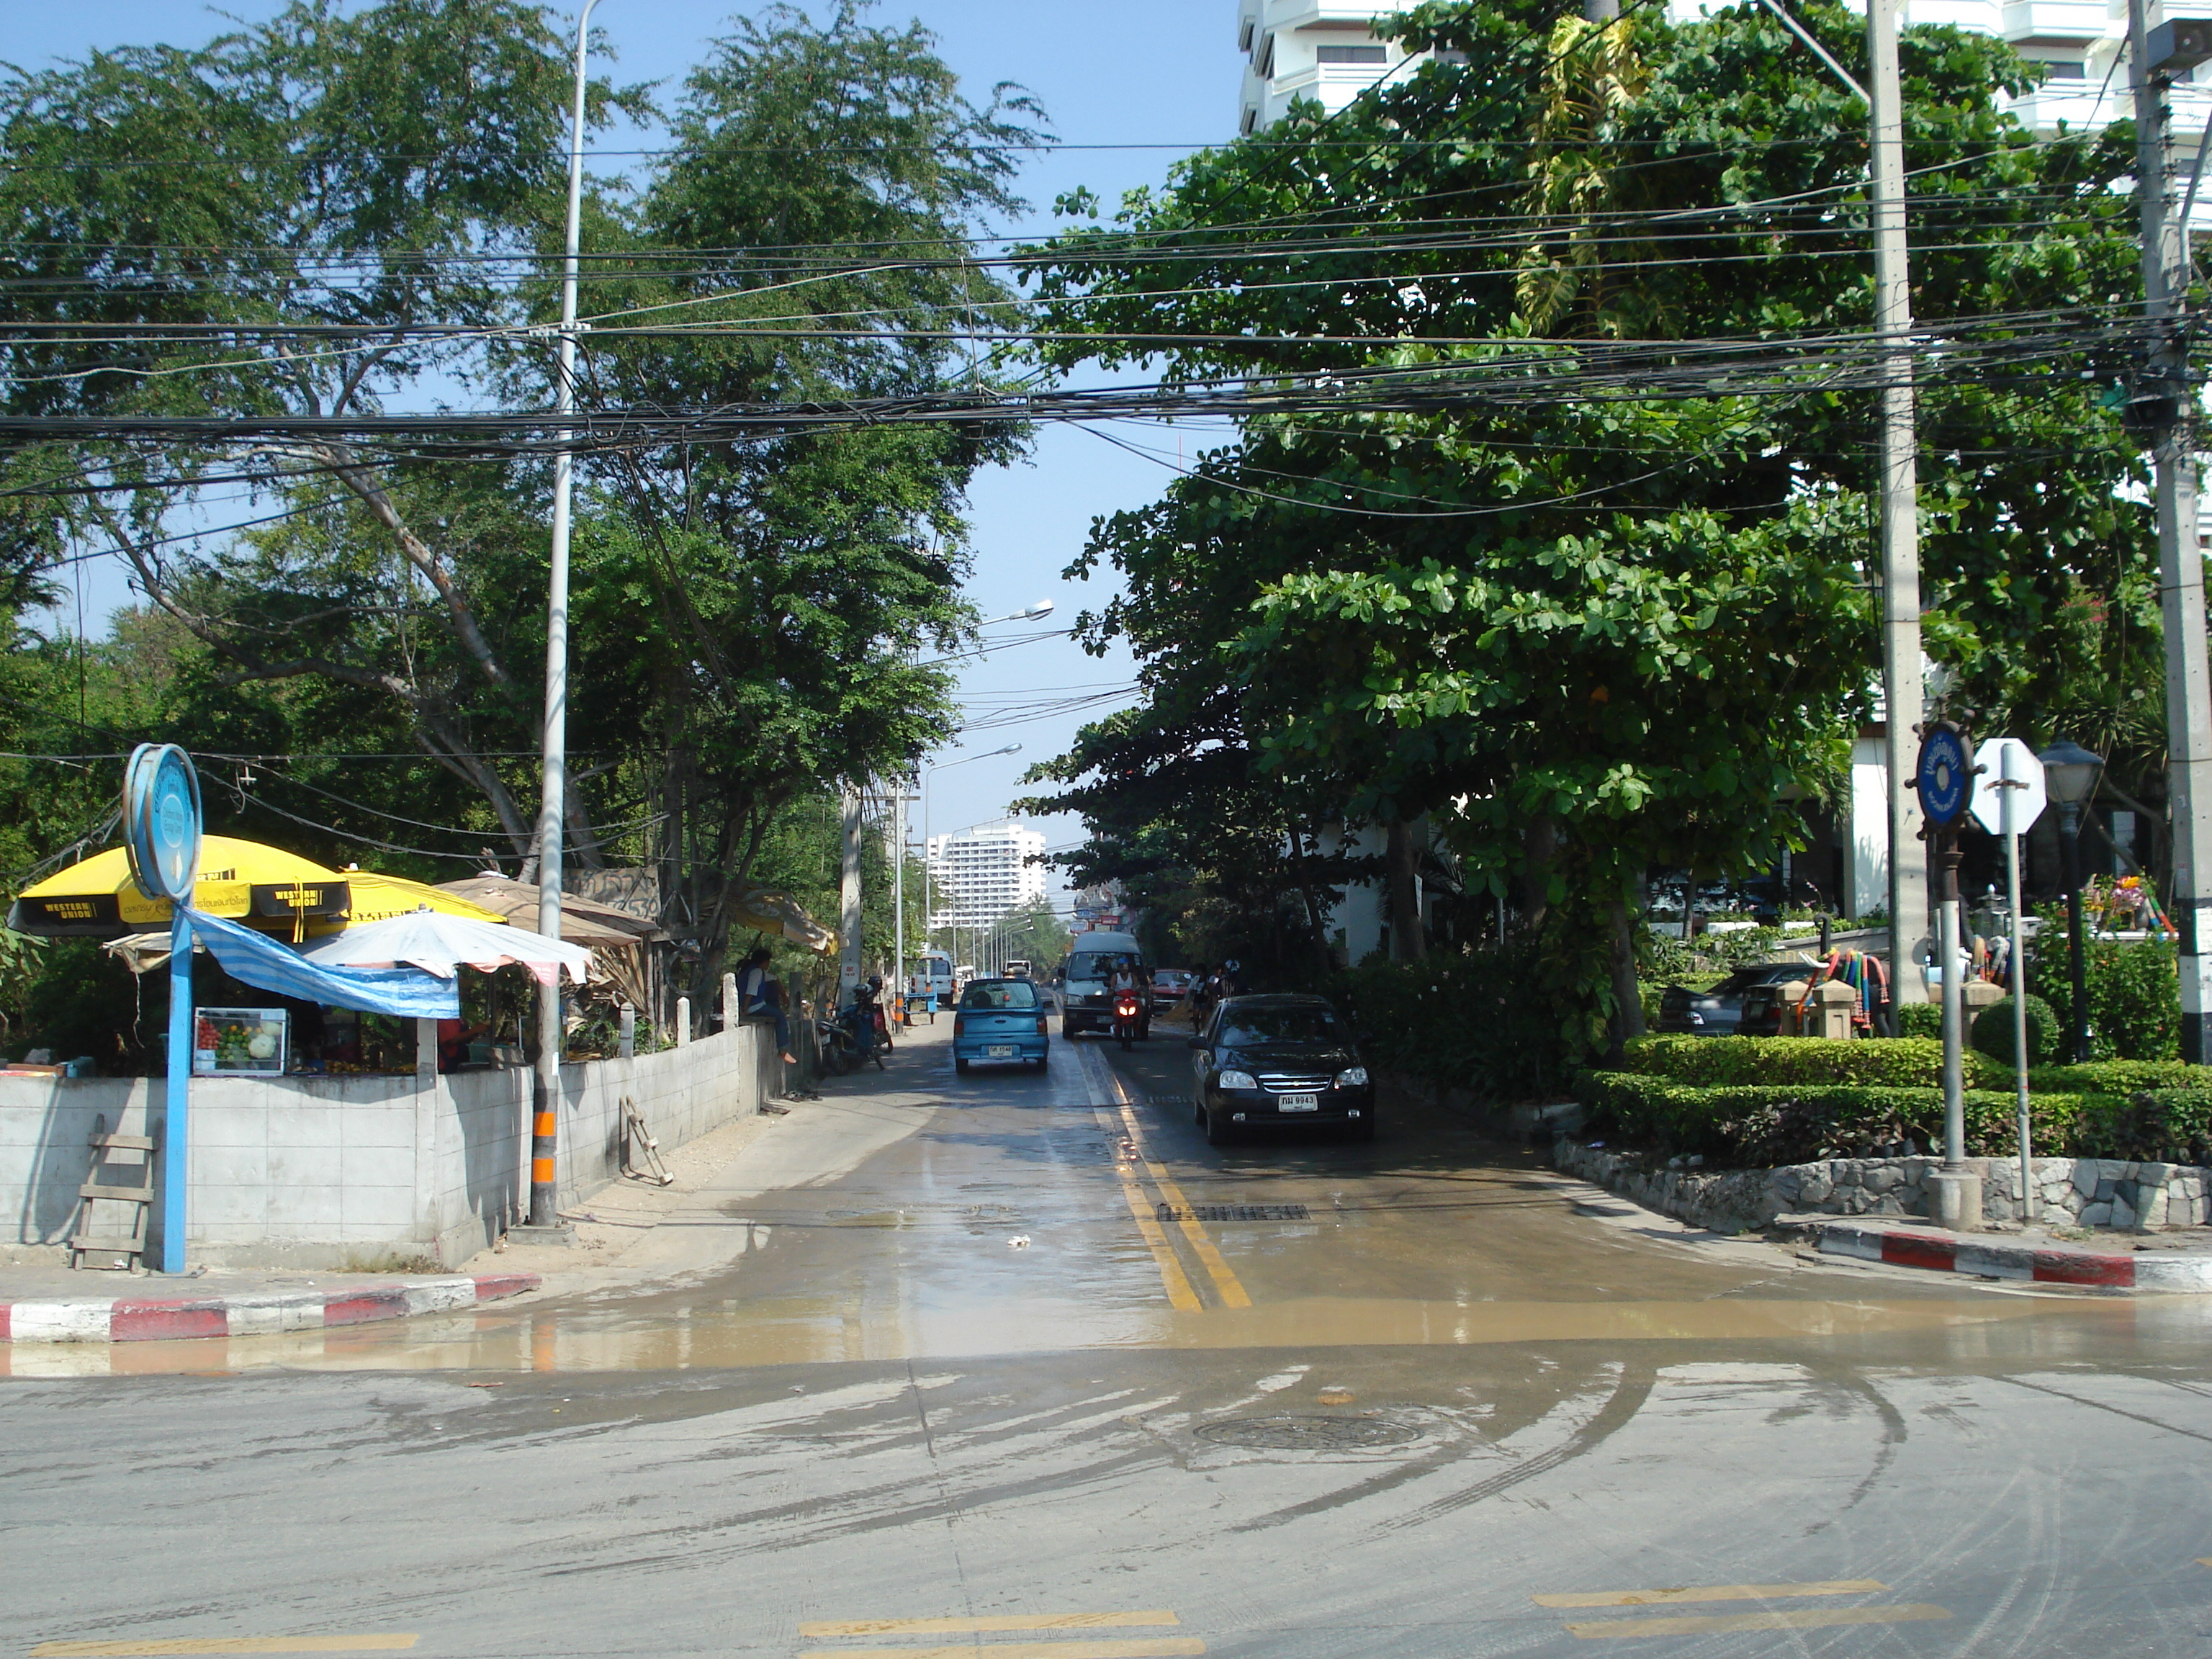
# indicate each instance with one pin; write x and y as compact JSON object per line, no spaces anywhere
{"x":408,"y":992}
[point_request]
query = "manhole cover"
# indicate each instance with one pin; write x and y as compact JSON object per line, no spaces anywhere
{"x":1307,"y":1433}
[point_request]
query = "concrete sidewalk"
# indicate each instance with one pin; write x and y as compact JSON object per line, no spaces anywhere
{"x":631,"y":1237}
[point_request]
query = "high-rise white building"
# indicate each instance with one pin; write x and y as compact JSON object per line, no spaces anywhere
{"x":1326,"y":50}
{"x":979,"y":873}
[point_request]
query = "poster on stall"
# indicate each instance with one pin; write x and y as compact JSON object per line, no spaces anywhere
{"x":240,"y":1042}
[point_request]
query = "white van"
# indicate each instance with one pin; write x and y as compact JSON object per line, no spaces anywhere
{"x":1085,"y":1005}
{"x":933,"y":976}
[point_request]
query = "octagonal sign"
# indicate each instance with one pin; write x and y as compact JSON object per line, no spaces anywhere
{"x":2012,"y":796}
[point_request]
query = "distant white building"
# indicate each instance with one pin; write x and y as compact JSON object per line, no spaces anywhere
{"x":979,"y":873}
{"x":1327,"y":50}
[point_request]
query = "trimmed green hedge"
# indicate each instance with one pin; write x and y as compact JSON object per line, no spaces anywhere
{"x":1758,"y":1125}
{"x":1726,"y":1062}
{"x":1919,"y":1019}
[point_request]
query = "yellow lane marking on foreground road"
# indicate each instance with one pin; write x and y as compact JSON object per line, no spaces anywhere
{"x":1016,"y":1621}
{"x":1180,"y":1294}
{"x":1721,"y":1624}
{"x":375,"y":1642}
{"x":1232,"y":1292}
{"x":1172,"y":1647}
{"x":1660,"y":1598}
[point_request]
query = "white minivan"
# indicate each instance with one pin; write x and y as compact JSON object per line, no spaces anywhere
{"x":1085,"y":1006}
{"x":933,"y":976}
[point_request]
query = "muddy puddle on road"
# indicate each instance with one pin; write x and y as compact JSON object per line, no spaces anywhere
{"x":666,"y":1334}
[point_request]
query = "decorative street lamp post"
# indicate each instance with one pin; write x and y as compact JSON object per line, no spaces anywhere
{"x":2070,"y":774}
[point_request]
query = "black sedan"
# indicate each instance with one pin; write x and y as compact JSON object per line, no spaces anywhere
{"x":1277,"y":1062}
{"x":1720,"y":1011}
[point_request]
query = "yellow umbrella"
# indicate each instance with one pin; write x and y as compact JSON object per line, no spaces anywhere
{"x":242,"y":879}
{"x":379,"y":898}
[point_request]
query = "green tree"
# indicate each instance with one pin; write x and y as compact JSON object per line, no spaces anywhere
{"x":1583,"y":569}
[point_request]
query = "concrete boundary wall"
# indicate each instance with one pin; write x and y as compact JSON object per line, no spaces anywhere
{"x":354,"y":1171}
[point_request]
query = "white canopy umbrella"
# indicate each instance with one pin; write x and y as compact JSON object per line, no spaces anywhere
{"x":440,"y":944}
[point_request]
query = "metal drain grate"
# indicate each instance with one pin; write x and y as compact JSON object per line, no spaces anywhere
{"x":1307,"y":1433}
{"x":1233,"y":1212}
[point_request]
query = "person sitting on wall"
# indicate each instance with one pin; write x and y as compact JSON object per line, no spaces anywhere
{"x":759,"y":993}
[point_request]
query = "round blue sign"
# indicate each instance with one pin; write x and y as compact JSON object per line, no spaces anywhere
{"x":1944,"y":777}
{"x":162,"y":820}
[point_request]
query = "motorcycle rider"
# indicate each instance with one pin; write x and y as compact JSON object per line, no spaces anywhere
{"x":1124,"y":978}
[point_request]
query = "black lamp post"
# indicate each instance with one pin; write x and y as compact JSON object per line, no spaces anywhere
{"x":2070,"y":773}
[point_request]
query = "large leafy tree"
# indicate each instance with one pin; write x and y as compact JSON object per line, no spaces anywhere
{"x":1596,"y":593}
{"x":342,"y":211}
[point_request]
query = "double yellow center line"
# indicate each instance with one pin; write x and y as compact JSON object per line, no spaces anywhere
{"x":1120,"y":1123}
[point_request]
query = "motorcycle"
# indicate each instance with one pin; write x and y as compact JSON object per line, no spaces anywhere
{"x":836,"y":1042}
{"x":1125,"y":1015}
{"x":861,"y":1030}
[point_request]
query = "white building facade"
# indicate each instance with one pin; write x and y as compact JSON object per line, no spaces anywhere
{"x":979,"y":873}
{"x":1327,"y":50}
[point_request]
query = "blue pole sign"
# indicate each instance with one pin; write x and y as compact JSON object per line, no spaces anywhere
{"x":161,"y":830}
{"x":1944,"y":777}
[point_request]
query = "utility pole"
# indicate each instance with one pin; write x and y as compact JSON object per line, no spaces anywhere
{"x":2166,"y":396}
{"x":545,"y":1078}
{"x":1903,"y":695}
{"x":848,"y":910}
{"x":898,"y":892}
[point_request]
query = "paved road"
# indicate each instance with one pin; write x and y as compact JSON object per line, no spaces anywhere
{"x":1033,"y":1373}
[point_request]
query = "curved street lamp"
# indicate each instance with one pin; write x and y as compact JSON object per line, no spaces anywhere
{"x":2070,"y":774}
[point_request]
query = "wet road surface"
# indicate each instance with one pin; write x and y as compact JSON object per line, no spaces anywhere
{"x":1036,"y":1374}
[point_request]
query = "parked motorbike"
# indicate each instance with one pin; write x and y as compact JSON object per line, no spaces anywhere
{"x":1125,"y":1015}
{"x":834,"y":1039}
{"x":861,"y":1030}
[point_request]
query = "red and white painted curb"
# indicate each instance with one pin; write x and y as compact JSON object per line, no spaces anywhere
{"x":2042,"y":1264}
{"x":148,"y":1320}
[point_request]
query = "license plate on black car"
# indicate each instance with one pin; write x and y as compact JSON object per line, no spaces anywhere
{"x":1001,"y":1051}
{"x":1297,"y":1103}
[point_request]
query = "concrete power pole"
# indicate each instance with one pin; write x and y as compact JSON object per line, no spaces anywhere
{"x":848,"y":909}
{"x":2166,"y":396}
{"x":1903,"y":695}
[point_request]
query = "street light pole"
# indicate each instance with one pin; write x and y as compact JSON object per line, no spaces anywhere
{"x":2077,"y":969}
{"x":545,"y":1079}
{"x":2070,"y":774}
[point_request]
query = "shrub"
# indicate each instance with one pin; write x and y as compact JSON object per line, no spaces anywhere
{"x":1480,"y":1018}
{"x":1919,"y":1019}
{"x":2120,"y":1077}
{"x":2135,"y":991}
{"x":1993,"y":1030}
{"x":1719,"y":1062}
{"x":2171,"y":1126}
{"x":1760,"y":1125}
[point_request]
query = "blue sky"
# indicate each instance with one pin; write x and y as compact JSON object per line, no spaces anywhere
{"x":1130,"y":77}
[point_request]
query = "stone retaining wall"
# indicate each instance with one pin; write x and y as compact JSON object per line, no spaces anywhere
{"x":2087,"y":1192}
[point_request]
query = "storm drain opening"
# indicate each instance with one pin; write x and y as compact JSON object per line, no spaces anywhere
{"x":1306,"y":1433}
{"x":1232,"y":1212}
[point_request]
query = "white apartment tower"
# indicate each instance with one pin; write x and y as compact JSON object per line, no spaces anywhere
{"x":1326,"y":50}
{"x":1320,"y":49}
{"x":981,"y":872}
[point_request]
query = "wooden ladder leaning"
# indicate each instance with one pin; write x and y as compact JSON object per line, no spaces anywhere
{"x":121,"y":1251}
{"x":641,"y":1159}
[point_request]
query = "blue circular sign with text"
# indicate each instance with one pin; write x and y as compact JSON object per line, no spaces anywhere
{"x":162,"y":820}
{"x":1945,"y":776}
